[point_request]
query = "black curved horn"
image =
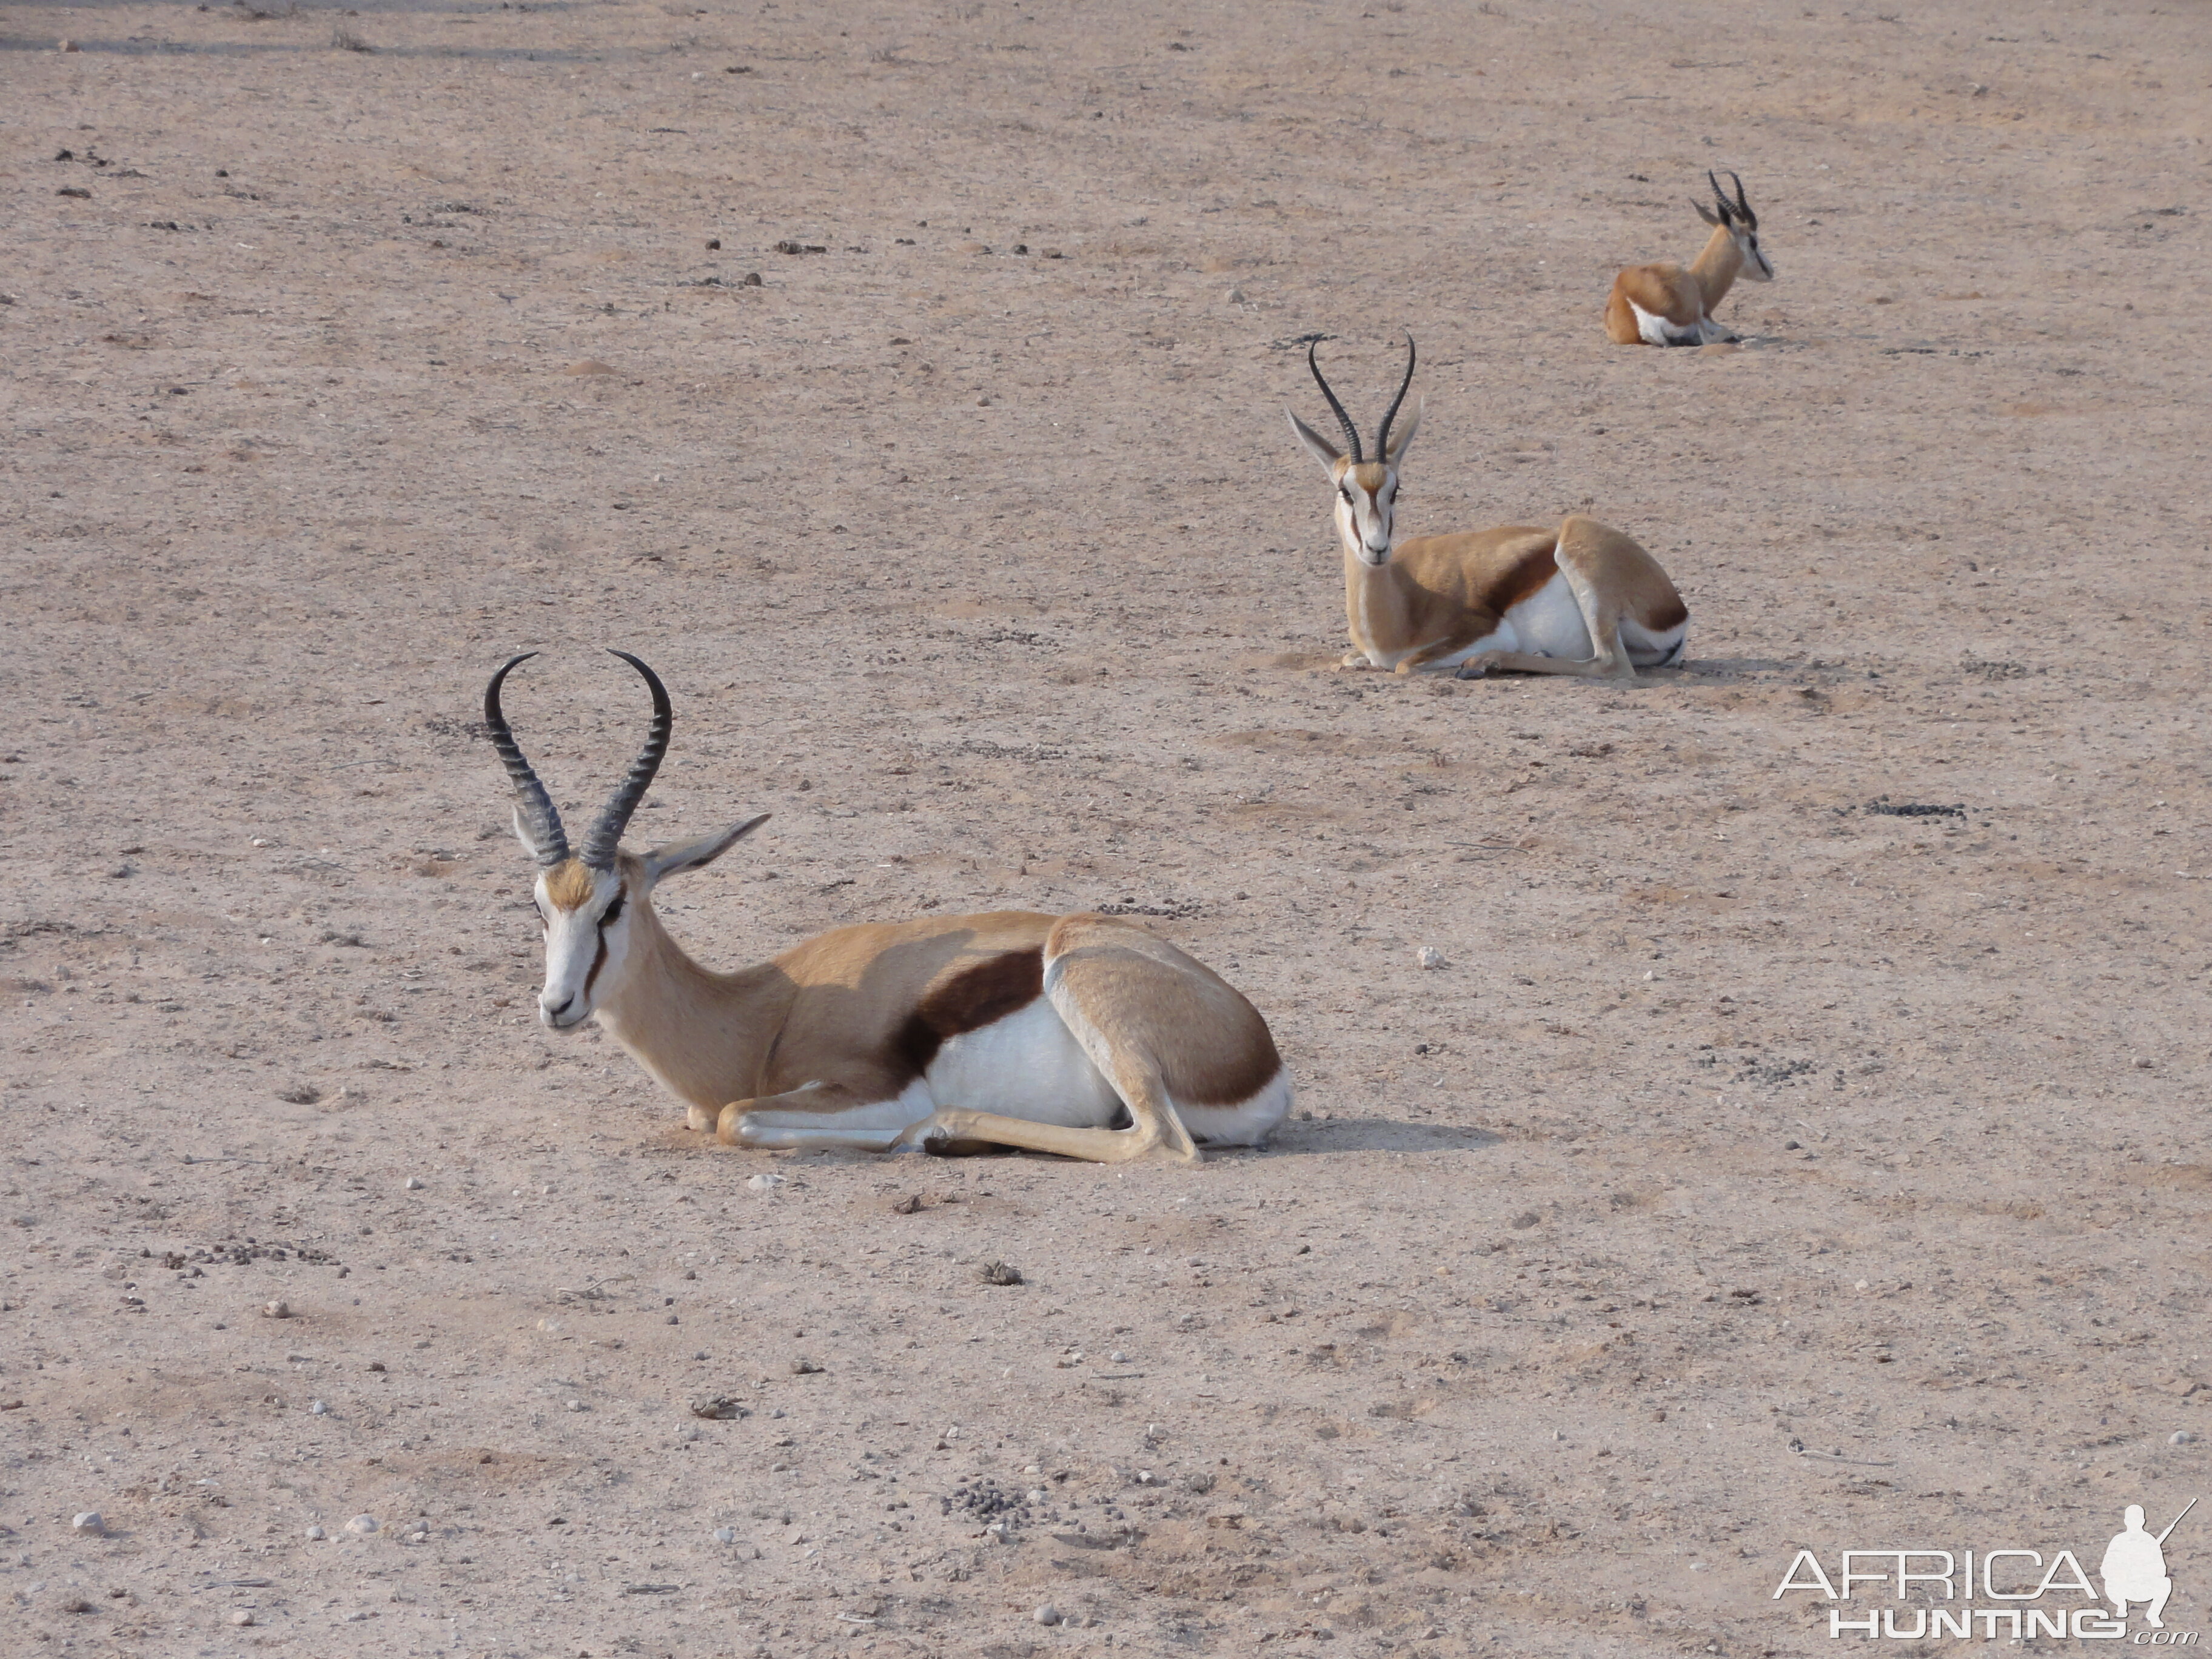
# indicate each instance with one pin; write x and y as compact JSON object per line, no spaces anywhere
{"x":1383,"y":432}
{"x":1742,"y":207}
{"x":599,"y":846}
{"x":1350,"y":432}
{"x":538,"y":815}
{"x":1728,"y":208}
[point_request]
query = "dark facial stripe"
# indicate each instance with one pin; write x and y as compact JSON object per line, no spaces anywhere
{"x":598,"y":962}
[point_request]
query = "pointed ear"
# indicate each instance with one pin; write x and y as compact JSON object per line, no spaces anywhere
{"x":1402,"y":439}
{"x":1316,"y":446}
{"x":522,"y":835}
{"x":679,"y":856}
{"x":1706,"y":214}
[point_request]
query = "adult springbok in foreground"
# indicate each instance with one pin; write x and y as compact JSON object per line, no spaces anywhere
{"x":1083,"y":1035}
{"x":1664,"y":305}
{"x":1576,"y":598}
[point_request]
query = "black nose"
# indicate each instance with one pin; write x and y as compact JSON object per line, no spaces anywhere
{"x":556,"y":1013}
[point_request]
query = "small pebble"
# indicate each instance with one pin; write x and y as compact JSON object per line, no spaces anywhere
{"x":764,"y":1181}
{"x":70,"y":46}
{"x":1046,"y":1614}
{"x":276,"y":1310}
{"x":318,"y":1408}
{"x":1118,"y":1358}
{"x":1235,"y":296}
{"x":1144,"y":1477}
{"x":2179,"y":1437}
{"x":1037,"y":1494}
{"x":241,"y":1617}
{"x":420,"y":1535}
{"x":363,"y":1525}
{"x":317,"y":1533}
{"x":1428,"y":957}
{"x":414,"y":1183}
{"x":725,"y":1534}
{"x":575,"y":1405}
{"x":89,"y":1524}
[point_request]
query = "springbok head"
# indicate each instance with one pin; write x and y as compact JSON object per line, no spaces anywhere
{"x":1739,"y":222}
{"x":1366,"y":486}
{"x":588,"y":901}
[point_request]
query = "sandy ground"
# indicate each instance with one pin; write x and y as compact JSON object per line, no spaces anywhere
{"x":1765,"y":1170}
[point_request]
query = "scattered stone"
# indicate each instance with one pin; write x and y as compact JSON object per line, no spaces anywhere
{"x":719,"y":1408}
{"x":69,"y":46}
{"x":998,"y":1273}
{"x":725,"y":1534}
{"x":803,"y":1366}
{"x":714,"y":244}
{"x":90,"y":1524}
{"x":76,"y":1604}
{"x":1046,"y":1614}
{"x":1428,"y":957}
{"x":2179,"y":1437}
{"x":1200,"y":1482}
{"x":362,"y":1525}
{"x":910,"y":1205}
{"x":589,"y":366}
{"x":277,"y":1309}
{"x":1118,"y":1358}
{"x":1529,"y":1218}
{"x":575,"y":1405}
{"x":766,"y":1181}
{"x":316,"y":1533}
{"x":750,"y":279}
{"x":414,"y":1183}
{"x":299,"y":1094}
{"x":1237,"y":297}
{"x":77,"y":191}
{"x":318,"y":1408}
{"x":241,"y":1619}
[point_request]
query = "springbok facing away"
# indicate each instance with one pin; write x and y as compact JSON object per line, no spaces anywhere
{"x":1580,"y":599}
{"x":1667,"y":305}
{"x":1083,"y":1035}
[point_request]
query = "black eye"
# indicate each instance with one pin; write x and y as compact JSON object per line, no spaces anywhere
{"x":1347,"y":495}
{"x":613,"y":913}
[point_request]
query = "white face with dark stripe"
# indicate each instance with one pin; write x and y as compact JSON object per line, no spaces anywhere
{"x":585,"y":914}
{"x":1756,"y":266}
{"x":1366,"y":504}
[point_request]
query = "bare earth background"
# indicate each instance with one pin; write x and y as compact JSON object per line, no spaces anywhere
{"x":1763,"y":1171}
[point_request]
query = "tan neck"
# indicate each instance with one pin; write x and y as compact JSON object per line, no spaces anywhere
{"x":706,"y":1037}
{"x":1376,"y":606}
{"x":1717,"y":267}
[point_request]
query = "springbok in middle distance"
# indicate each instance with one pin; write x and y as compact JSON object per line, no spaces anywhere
{"x":1664,"y":305}
{"x":1576,"y":598}
{"x":1083,"y":1035}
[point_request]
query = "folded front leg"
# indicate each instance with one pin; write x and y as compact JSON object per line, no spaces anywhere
{"x":823,"y":1115}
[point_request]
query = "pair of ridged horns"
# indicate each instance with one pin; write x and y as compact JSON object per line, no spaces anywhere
{"x":1739,"y":209}
{"x":538,"y":815}
{"x":1352,"y":432}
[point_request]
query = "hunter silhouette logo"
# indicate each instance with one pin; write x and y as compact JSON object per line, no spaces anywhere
{"x":2026,"y":1595}
{"x":2134,"y":1567}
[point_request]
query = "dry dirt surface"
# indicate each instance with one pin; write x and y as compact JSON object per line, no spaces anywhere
{"x":1801,"y":1146}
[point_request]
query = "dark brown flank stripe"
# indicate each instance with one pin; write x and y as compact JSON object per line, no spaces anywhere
{"x":970,"y":999}
{"x":1526,"y":579}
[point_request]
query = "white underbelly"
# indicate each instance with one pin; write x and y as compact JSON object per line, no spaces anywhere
{"x":1547,"y":624}
{"x":1654,"y":330}
{"x":1028,"y":1065}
